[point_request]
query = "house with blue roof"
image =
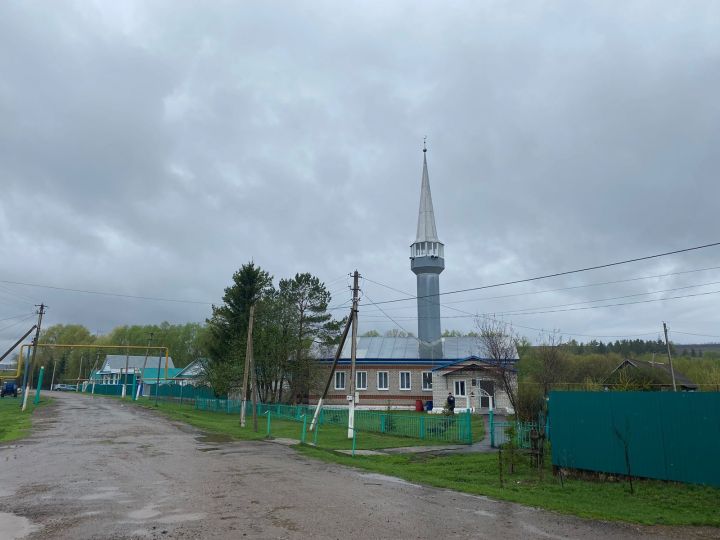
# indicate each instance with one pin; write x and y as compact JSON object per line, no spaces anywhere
{"x":403,"y":372}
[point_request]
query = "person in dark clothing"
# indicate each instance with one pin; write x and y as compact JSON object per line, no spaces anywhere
{"x":451,"y":402}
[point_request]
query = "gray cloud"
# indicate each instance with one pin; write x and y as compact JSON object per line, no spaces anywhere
{"x":153,"y":148}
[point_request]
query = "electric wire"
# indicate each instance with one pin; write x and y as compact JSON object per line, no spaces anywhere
{"x":556,"y":274}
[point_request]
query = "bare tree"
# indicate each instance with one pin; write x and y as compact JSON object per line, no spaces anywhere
{"x":500,"y":342}
{"x":551,"y":362}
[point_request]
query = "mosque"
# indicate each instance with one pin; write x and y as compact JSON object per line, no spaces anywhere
{"x":400,"y":372}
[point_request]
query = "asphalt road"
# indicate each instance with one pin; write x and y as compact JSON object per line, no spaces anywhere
{"x":95,"y":468}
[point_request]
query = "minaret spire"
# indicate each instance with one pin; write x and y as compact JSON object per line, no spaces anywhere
{"x":426,"y":230}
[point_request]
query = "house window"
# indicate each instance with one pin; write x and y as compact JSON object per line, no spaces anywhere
{"x":339,"y":380}
{"x":361,"y":380}
{"x":427,"y":380}
{"x":382,"y":380}
{"x":460,"y":388}
{"x":404,"y":380}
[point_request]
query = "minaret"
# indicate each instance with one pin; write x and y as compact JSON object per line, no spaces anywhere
{"x":427,"y":260}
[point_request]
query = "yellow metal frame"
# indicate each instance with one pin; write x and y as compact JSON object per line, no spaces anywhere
{"x":85,"y":346}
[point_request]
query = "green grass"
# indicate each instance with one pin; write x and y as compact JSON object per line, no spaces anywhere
{"x":14,"y":423}
{"x":330,"y":436}
{"x":653,"y":503}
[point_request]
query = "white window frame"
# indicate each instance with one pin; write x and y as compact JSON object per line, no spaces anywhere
{"x":427,"y":388}
{"x":357,"y":380}
{"x":344,"y":381}
{"x":456,"y":385}
{"x":400,"y":377}
{"x":386,"y":388}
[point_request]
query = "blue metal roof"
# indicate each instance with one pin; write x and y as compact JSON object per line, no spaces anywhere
{"x":405,"y":350}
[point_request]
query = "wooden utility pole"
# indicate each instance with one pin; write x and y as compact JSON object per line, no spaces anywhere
{"x":77,"y":386}
{"x":36,"y":340}
{"x":667,"y":345}
{"x":127,"y":361}
{"x":338,"y":352}
{"x":353,"y":351}
{"x":52,"y":379}
{"x":147,"y":351}
{"x":246,"y":373}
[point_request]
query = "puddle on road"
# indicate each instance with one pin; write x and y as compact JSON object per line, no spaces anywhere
{"x":209,"y":449}
{"x":15,"y":527}
{"x":214,"y":438}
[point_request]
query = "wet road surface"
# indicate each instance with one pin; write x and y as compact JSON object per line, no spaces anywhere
{"x":95,"y":468}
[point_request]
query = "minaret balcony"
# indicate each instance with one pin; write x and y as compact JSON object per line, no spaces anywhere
{"x":427,"y":249}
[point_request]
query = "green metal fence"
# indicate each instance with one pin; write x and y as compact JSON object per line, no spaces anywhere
{"x":663,"y":435}
{"x":448,"y":429}
{"x":499,"y":432}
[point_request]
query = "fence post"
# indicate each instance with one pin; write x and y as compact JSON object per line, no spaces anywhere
{"x":304,"y":429}
{"x":133,"y":397}
{"x":40,"y":378}
{"x":181,"y":389}
{"x":268,"y":425}
{"x":468,"y":419}
{"x":422,"y":427}
{"x":353,"y":444}
{"x":492,"y":428}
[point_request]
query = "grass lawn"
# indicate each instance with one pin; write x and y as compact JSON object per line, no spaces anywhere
{"x":330,"y":436}
{"x":14,"y":423}
{"x":654,"y":502}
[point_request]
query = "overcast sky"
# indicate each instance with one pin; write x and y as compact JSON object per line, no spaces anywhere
{"x":152,"y":148}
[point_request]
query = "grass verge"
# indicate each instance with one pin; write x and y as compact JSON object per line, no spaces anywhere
{"x":330,"y":436}
{"x":654,"y":502}
{"x":14,"y":423}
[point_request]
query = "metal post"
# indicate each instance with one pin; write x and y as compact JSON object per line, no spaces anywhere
{"x":40,"y":378}
{"x":157,"y":382}
{"x":315,"y":434}
{"x":304,"y":429}
{"x":268,"y":424}
{"x":353,"y":352}
{"x":353,"y":444}
{"x":468,"y":419}
{"x":492,"y":428}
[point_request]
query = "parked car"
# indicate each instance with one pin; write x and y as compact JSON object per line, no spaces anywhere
{"x":9,"y":389}
{"x":65,"y":387}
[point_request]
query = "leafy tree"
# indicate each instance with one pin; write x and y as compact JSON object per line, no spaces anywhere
{"x":371,"y":333}
{"x":308,"y":298}
{"x":227,"y":327}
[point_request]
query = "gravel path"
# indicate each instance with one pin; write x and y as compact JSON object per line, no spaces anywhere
{"x":95,"y":468}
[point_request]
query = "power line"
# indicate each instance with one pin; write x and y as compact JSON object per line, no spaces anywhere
{"x":542,"y":330}
{"x":556,"y":274}
{"x":104,"y":293}
{"x":389,"y":317}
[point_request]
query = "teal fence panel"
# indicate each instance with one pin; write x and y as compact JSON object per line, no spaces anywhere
{"x":663,"y":435}
{"x":444,"y":429}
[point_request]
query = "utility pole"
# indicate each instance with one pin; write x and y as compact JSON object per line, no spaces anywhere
{"x":127,"y":361}
{"x":353,"y":351}
{"x":147,"y":351}
{"x":77,"y":387}
{"x":52,"y":380}
{"x":36,"y":340}
{"x":667,"y":344}
{"x":338,"y":352}
{"x":246,"y":373}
